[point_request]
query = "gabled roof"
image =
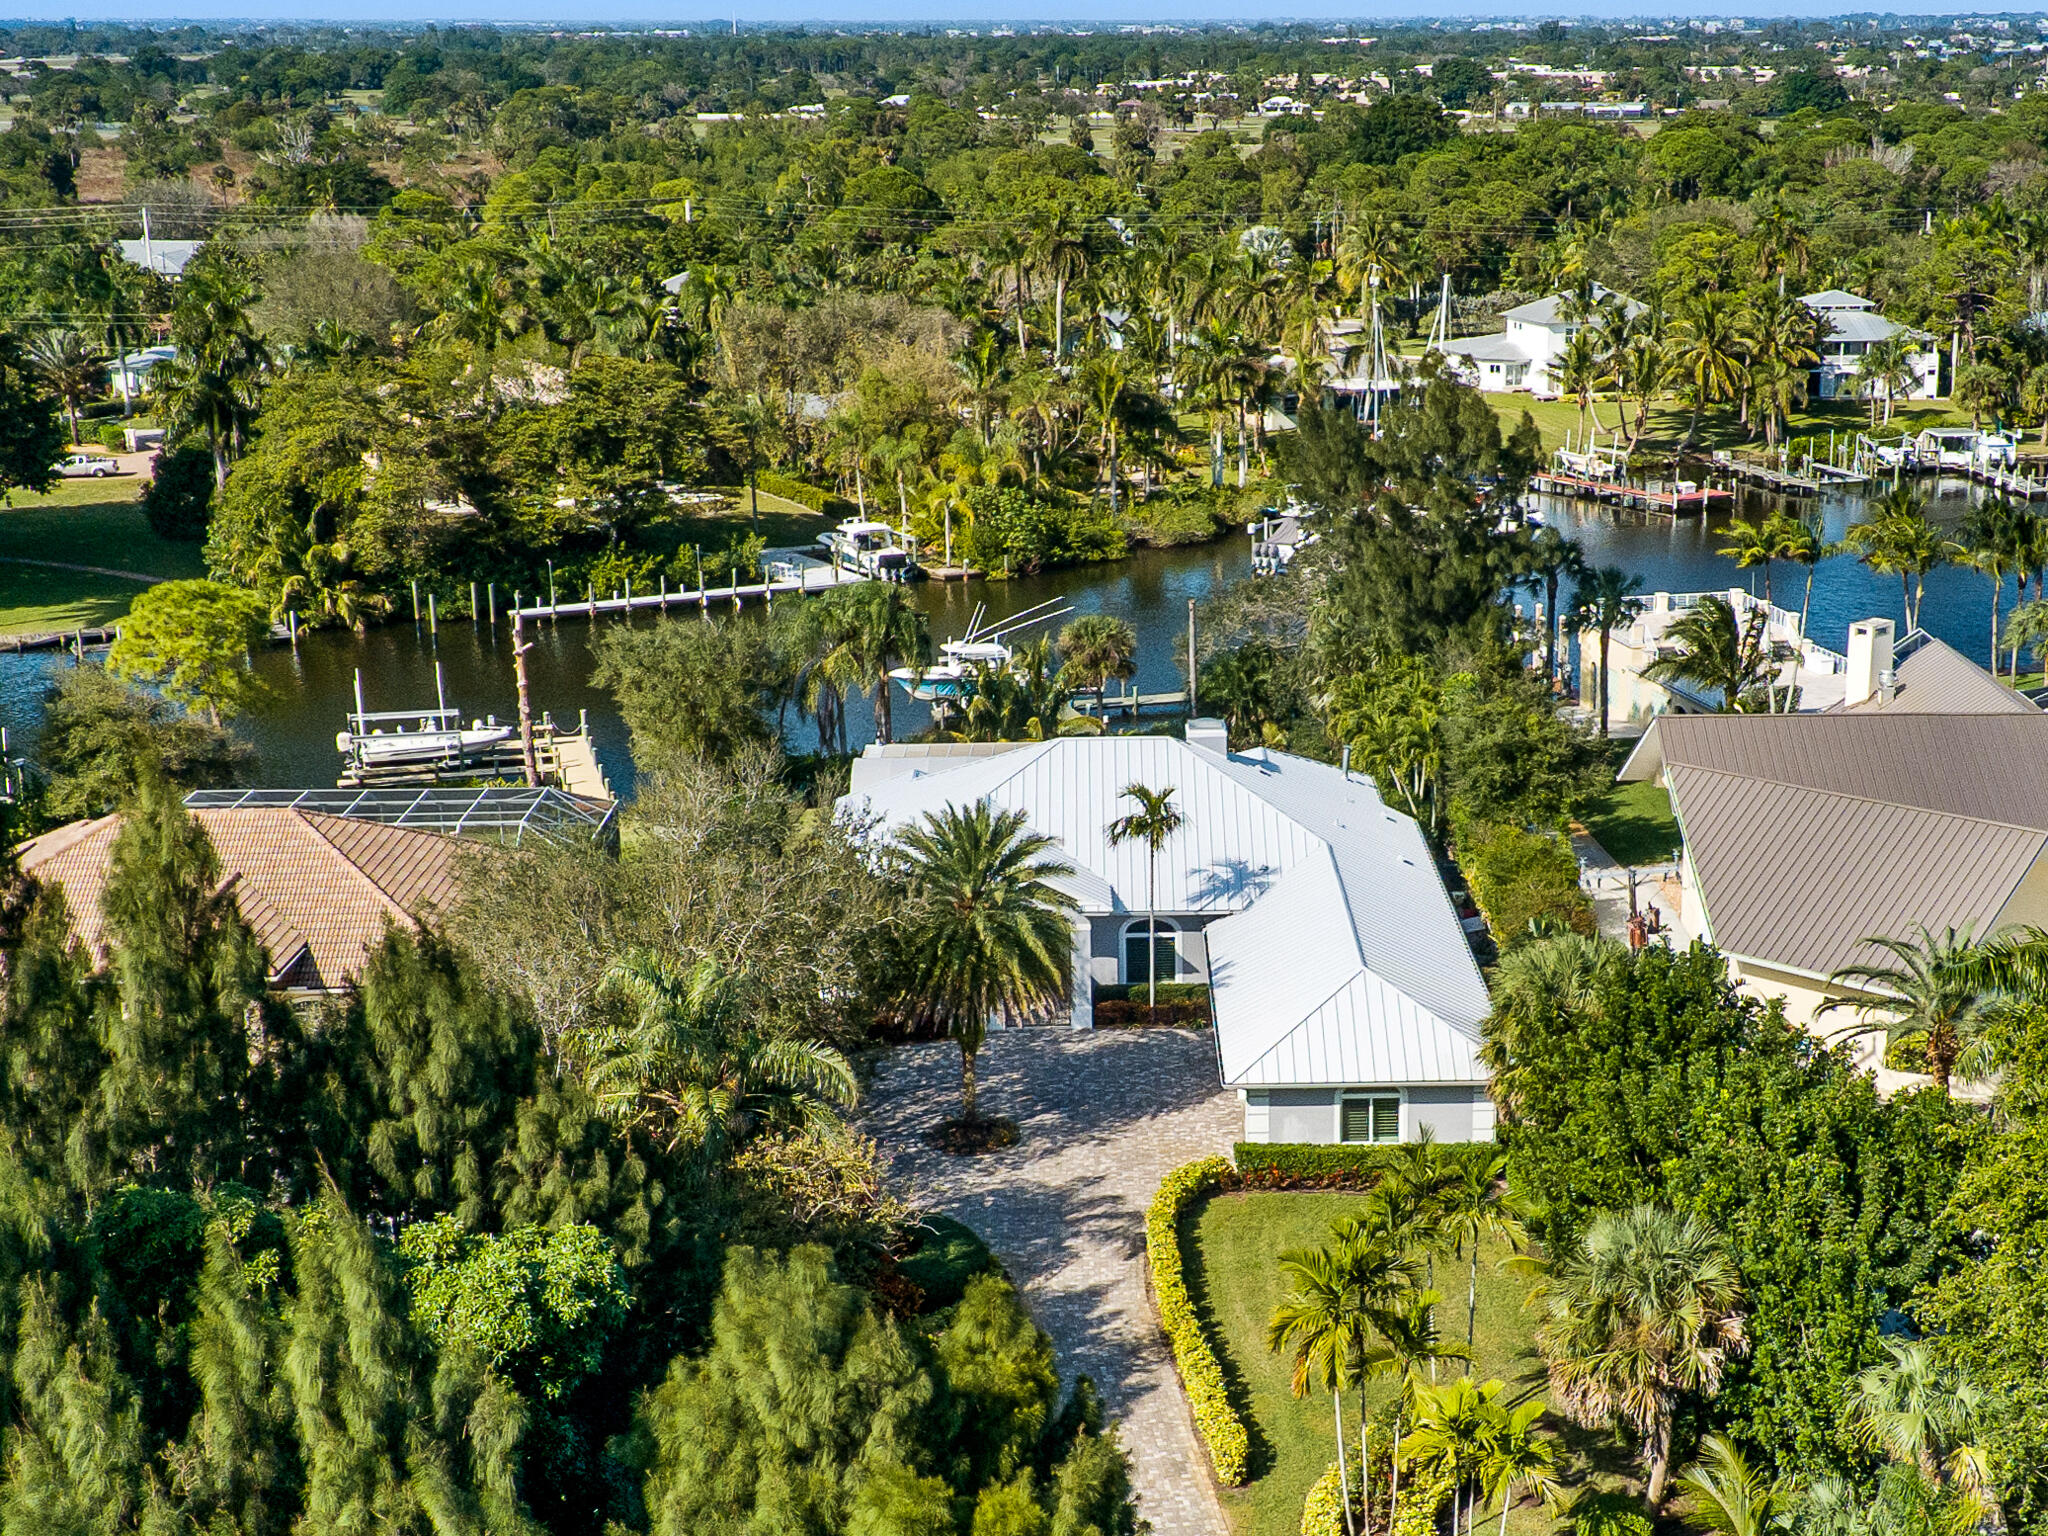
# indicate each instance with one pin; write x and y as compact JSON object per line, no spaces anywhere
{"x":1546,"y":311}
{"x":1345,"y":961}
{"x":1933,"y":677}
{"x":1485,"y":349}
{"x":1807,"y":834}
{"x":1835,"y":298}
{"x":317,"y":890}
{"x":1860,"y":325}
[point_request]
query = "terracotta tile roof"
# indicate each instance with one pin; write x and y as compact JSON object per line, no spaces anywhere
{"x":316,"y":889}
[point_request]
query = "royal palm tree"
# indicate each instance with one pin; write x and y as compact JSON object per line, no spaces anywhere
{"x":875,"y":628}
{"x":1097,"y":647}
{"x":1644,"y":1311}
{"x":1475,"y":1207}
{"x":1731,"y":1496}
{"x":1932,"y":990}
{"x":1605,"y":601}
{"x":1992,"y":541}
{"x":1518,"y":1460}
{"x":1886,"y":369}
{"x":1717,"y":653}
{"x":210,"y":388}
{"x":989,"y":932}
{"x":688,"y":1062}
{"x":1802,"y":543}
{"x":1156,"y":819}
{"x":1916,"y":1408}
{"x":1578,"y":370}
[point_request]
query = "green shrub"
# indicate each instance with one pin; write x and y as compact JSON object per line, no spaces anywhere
{"x":178,"y":498}
{"x":1169,"y":518}
{"x":1322,"y":1513}
{"x":114,"y":437}
{"x":1608,"y":1513}
{"x":1309,"y":1165}
{"x":1201,"y":1372}
{"x":948,"y":1255}
{"x":1523,"y":882}
{"x":1423,"y":1492}
{"x":1016,"y":533}
{"x":1135,"y":1014}
{"x":1906,"y":1055}
{"x":1169,"y":992}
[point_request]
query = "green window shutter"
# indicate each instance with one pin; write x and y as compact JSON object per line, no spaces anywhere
{"x":1386,"y":1119}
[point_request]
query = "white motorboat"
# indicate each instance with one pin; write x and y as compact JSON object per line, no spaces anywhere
{"x":1947,"y":447}
{"x":1994,"y":450}
{"x":870,"y":549}
{"x":982,"y":648}
{"x":415,"y":738}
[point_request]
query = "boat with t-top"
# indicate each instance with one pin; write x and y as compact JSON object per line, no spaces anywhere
{"x":983,"y":648}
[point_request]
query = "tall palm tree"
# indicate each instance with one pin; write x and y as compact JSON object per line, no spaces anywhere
{"x":1605,"y":601}
{"x":1707,"y":360}
{"x":1916,"y":1408}
{"x":1751,"y":544}
{"x":1992,"y":541}
{"x":1717,"y":653}
{"x":2027,"y":630}
{"x":688,"y":1062}
{"x":1060,"y":250}
{"x":1156,"y":819}
{"x":1096,"y":647}
{"x":1552,"y":558}
{"x":1477,"y":1206}
{"x":989,"y":930}
{"x":1578,"y":372}
{"x":1899,"y":540}
{"x":1933,"y":990}
{"x":1455,"y":1426}
{"x":1321,"y":1320}
{"x":1411,"y":1347}
{"x":875,"y":628}
{"x":1645,"y":1311}
{"x":1802,"y":543}
{"x":1730,"y":1495}
{"x":1886,"y":369}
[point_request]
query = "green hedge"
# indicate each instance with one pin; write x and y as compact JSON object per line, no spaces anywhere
{"x":1169,"y":992}
{"x":1309,"y":1165}
{"x":1322,"y":1513}
{"x":1135,"y":1015}
{"x":1523,"y":883}
{"x":114,"y":438}
{"x":803,"y":493}
{"x":1201,"y":1372}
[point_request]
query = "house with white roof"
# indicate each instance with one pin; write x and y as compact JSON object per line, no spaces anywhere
{"x":1524,"y":355}
{"x":1849,"y":325}
{"x":1346,"y":1000}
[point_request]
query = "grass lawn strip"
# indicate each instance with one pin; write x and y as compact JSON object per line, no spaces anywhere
{"x":1235,"y":1282}
{"x":1633,"y":822}
{"x":75,"y":559}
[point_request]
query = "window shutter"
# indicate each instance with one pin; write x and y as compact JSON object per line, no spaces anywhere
{"x":1357,"y":1120}
{"x":1386,"y":1119}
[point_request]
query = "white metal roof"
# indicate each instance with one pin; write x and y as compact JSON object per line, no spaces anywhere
{"x":1495,"y":348}
{"x":1344,"y":961}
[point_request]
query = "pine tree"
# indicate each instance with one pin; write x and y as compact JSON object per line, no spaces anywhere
{"x":999,"y":1372}
{"x":51,"y":1061}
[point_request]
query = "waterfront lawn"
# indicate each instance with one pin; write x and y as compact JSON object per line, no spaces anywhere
{"x":1235,"y":1279}
{"x":784,"y":524}
{"x":1633,"y":822}
{"x":86,"y":522}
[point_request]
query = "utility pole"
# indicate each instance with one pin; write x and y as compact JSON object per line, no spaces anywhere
{"x":520,"y":646}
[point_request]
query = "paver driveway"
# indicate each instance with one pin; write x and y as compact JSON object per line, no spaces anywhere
{"x":1104,"y":1115}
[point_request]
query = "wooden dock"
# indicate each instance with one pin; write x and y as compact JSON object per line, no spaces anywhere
{"x":61,"y":640}
{"x":1131,"y":704}
{"x":1650,"y":494}
{"x":565,"y":757}
{"x":814,"y":576}
{"x":2009,"y":482}
{"x":1762,"y":475}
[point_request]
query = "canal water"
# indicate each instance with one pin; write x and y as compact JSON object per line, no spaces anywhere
{"x":312,"y":689}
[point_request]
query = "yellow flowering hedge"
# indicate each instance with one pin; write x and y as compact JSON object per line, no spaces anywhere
{"x":1323,"y":1512}
{"x":1201,"y":1373}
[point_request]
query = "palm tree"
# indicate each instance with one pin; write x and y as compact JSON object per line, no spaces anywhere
{"x":1060,"y":250}
{"x":1322,"y":1321}
{"x":1410,"y":1343}
{"x":1474,"y":1207}
{"x":875,"y":628}
{"x":1578,"y":372}
{"x":1517,"y":1459}
{"x":1899,"y":540}
{"x":1644,"y":1311}
{"x":1606,"y":600}
{"x":690,"y":1065}
{"x":1550,"y":559}
{"x":1886,"y":369}
{"x":1933,"y":991}
{"x":1918,"y":1409}
{"x":1992,"y":541}
{"x":1751,"y":544}
{"x":1732,"y":1497}
{"x":69,"y":364}
{"x":1802,"y":543}
{"x":1156,"y":819}
{"x":2027,"y":630}
{"x":210,"y":387}
{"x":1097,"y":647}
{"x":988,"y":929}
{"x":1717,"y":653}
{"x":1708,"y":355}
{"x":1455,"y":1426}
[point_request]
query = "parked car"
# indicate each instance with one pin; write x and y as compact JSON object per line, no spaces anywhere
{"x":97,"y":465}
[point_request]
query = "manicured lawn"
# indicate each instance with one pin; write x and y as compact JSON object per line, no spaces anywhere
{"x":785,"y":524}
{"x":84,"y":522}
{"x":1633,"y":822}
{"x":1234,"y":1275}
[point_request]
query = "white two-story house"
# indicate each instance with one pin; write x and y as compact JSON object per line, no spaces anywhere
{"x":1848,"y":327}
{"x":1524,"y":355}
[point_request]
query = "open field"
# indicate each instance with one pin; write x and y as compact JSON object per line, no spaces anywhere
{"x":1234,"y":1276}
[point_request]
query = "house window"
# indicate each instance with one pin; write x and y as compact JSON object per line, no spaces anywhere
{"x":1165,"y":952}
{"x":1369,"y":1117}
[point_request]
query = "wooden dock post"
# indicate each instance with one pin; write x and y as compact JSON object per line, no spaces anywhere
{"x":590,"y":590}
{"x":664,"y":591}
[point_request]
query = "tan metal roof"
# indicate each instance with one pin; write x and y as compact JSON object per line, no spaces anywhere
{"x":1939,"y":679}
{"x":317,"y":890}
{"x":1810,"y":833}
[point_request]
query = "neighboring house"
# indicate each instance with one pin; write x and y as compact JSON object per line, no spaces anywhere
{"x":1346,"y":1000}
{"x":316,"y":889}
{"x":166,"y":258}
{"x":1524,"y":355}
{"x":1806,"y":834}
{"x":1848,"y":326}
{"x":130,"y":376}
{"x":1920,"y":673}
